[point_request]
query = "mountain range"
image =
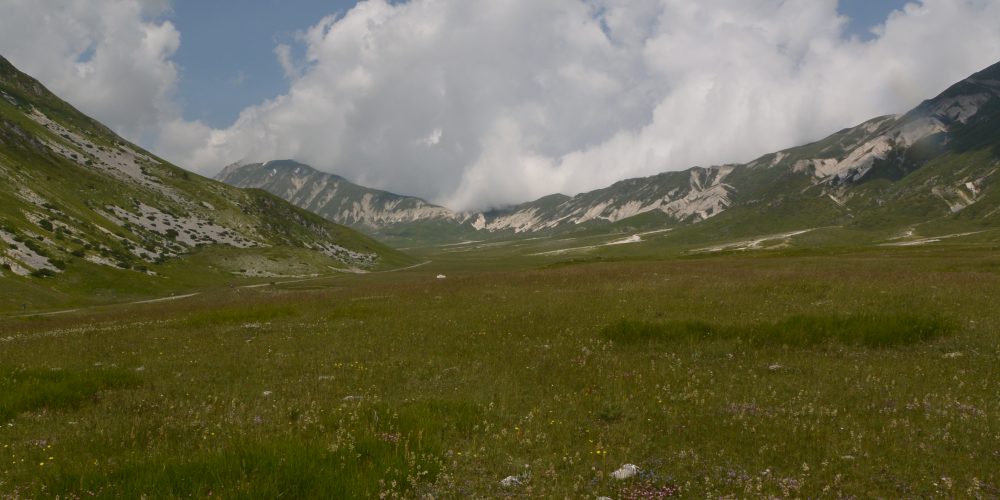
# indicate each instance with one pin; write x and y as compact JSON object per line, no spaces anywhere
{"x":82,"y":204}
{"x":938,"y":160}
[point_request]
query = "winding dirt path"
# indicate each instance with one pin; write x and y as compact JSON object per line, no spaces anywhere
{"x":179,"y":297}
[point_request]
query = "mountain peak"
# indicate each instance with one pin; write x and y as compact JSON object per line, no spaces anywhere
{"x":287,"y":164}
{"x":334,"y":197}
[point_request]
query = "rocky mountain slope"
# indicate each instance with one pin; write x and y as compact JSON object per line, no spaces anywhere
{"x":371,"y":210}
{"x":693,"y":195}
{"x":936,"y":161}
{"x":78,"y":202}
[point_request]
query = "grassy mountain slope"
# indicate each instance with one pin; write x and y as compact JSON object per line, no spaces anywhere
{"x":79,"y":206}
{"x":891,"y":180}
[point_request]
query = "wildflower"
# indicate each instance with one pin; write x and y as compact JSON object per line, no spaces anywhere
{"x":391,"y":437}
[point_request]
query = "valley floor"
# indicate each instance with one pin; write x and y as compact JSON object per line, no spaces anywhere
{"x":869,"y":373}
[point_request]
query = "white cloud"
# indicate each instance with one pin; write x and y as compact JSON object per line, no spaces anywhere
{"x":284,"y":54}
{"x":475,"y":104}
{"x":111,"y":59}
{"x":432,"y":139}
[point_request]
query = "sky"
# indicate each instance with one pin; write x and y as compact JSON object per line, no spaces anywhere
{"x":480,"y":104}
{"x":229,"y":66}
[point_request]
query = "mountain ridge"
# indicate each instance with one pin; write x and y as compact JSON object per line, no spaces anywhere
{"x":838,"y":169}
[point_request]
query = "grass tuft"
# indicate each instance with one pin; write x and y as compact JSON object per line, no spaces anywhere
{"x":274,"y":468}
{"x":876,"y":330}
{"x":641,"y":332}
{"x":27,"y":390}
{"x":869,"y":330}
{"x":382,"y":448}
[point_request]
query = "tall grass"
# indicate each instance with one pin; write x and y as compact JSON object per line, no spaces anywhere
{"x":447,"y":387}
{"x":385,"y":449}
{"x":27,"y":390}
{"x":869,"y":330}
{"x":290,"y":467}
{"x":235,"y":315}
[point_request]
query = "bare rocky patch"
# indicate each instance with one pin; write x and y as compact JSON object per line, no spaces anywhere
{"x":21,"y":258}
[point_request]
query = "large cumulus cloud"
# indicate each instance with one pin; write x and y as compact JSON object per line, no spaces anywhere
{"x":111,"y":59}
{"x":478,"y":104}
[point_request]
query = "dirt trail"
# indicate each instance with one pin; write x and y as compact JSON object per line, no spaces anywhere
{"x":179,"y":297}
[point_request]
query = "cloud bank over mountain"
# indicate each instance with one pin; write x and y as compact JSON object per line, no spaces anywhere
{"x":479,"y":104}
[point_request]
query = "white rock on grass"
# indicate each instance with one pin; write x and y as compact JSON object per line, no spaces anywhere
{"x":626,"y":471}
{"x":510,"y":482}
{"x":441,"y":277}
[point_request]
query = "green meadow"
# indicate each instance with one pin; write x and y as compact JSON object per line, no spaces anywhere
{"x":849,"y":372}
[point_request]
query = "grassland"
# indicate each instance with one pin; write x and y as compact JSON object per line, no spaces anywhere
{"x":850,"y":372}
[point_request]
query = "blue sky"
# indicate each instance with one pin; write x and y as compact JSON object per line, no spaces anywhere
{"x":865,"y":14}
{"x":227,"y":66}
